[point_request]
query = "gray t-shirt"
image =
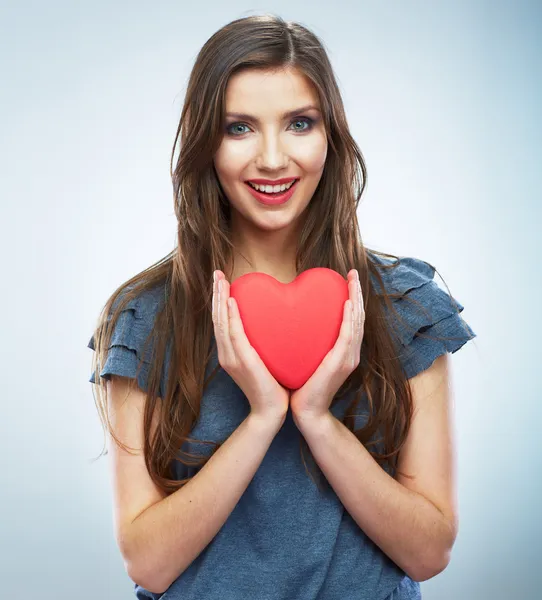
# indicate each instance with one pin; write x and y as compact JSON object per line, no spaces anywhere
{"x":287,"y":539}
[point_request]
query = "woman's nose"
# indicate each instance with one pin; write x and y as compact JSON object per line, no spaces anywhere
{"x":271,"y":155}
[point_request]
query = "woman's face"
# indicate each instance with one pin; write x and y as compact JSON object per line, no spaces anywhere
{"x":263,"y":141}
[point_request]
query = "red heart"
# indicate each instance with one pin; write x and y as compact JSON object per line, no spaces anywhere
{"x":292,"y":326}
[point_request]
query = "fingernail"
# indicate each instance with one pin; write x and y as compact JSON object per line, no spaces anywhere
{"x":214,"y":276}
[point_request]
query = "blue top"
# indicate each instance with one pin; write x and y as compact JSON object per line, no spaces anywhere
{"x":286,"y":538}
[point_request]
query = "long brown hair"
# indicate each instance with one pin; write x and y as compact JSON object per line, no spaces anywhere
{"x":329,"y":238}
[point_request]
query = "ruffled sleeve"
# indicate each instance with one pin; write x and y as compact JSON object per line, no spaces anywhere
{"x":434,"y":315}
{"x":126,"y":349}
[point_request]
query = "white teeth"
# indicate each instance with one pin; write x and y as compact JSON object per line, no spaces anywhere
{"x":271,"y":189}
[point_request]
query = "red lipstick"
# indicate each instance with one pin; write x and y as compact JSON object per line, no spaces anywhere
{"x":272,"y":199}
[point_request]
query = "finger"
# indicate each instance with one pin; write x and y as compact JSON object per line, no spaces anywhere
{"x":341,"y":352}
{"x":226,"y":353}
{"x":359,"y":318}
{"x":214,"y":311}
{"x":359,"y":312}
{"x":224,"y":293}
{"x":354,"y":347}
{"x":353,"y":294}
{"x":216,"y":277}
{"x":361,"y":306}
{"x":239,"y":340}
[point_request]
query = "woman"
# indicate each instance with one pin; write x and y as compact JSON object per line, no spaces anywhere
{"x":212,"y":494}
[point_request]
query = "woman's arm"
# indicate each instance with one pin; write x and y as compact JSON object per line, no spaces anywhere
{"x":415,"y":527}
{"x":158,"y":535}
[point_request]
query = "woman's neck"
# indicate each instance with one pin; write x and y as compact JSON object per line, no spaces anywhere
{"x":270,"y":252}
{"x":283,"y":273}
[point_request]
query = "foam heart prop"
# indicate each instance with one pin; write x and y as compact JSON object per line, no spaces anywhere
{"x":292,"y":326}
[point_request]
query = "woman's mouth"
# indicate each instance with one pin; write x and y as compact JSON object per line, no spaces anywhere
{"x":273,"y":198}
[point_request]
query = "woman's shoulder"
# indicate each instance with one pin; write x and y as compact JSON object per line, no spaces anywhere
{"x":128,"y":345}
{"x":139,"y":312}
{"x":425,"y":318}
{"x":400,"y":273}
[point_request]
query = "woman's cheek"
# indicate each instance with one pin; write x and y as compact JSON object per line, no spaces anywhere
{"x":312,"y":155}
{"x":232,"y":156}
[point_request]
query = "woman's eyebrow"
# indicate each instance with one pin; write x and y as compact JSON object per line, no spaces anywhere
{"x":290,"y":113}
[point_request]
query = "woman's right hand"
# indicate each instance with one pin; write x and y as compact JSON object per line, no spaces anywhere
{"x":268,"y":399}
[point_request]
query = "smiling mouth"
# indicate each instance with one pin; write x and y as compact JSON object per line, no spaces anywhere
{"x":272,"y":194}
{"x":273,"y":199}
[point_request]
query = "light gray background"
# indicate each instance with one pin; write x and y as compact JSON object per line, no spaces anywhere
{"x":444,"y":100}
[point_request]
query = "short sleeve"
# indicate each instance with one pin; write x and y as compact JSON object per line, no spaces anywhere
{"x":434,"y":313}
{"x":127,"y":346}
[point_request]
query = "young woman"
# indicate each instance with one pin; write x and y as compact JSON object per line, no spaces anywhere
{"x":213,"y":498}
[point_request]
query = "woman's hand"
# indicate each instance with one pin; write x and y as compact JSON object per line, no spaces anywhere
{"x":314,"y":398}
{"x":240,"y":360}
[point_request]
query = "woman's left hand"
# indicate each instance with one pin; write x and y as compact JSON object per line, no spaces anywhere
{"x":313,"y":399}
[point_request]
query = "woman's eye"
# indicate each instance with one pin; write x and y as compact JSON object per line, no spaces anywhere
{"x":230,"y":129}
{"x":304,"y":120}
